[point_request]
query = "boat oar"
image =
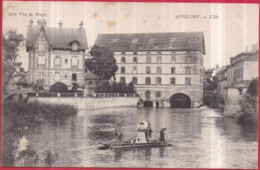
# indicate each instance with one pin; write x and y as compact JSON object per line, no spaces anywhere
{"x":114,"y":142}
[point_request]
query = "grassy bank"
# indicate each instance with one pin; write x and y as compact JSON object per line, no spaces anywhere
{"x":18,"y":117}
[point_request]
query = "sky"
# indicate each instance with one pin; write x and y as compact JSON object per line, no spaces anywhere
{"x":232,"y":28}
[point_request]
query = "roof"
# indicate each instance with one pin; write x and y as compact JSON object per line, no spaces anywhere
{"x":58,"y":38}
{"x":253,"y":57}
{"x":250,"y":56}
{"x":179,"y":41}
{"x":91,"y":76}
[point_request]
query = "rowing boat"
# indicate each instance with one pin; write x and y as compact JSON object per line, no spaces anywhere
{"x":133,"y":145}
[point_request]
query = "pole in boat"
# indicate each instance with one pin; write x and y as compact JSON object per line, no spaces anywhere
{"x":114,"y":141}
{"x":166,"y":131}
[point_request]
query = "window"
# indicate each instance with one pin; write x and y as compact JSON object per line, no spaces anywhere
{"x":122,"y":69}
{"x":148,"y":70}
{"x":158,"y":94}
{"x":90,"y":83}
{"x":74,"y":77}
{"x":41,"y":60}
{"x":123,"y":59}
{"x":135,"y":69}
{"x":122,"y":80}
{"x":148,"y":59}
{"x":173,"y":60}
{"x":158,"y":80}
{"x":147,"y":80}
{"x":40,"y":46}
{"x":158,"y":70}
{"x":187,"y":70}
{"x":194,"y":70}
{"x":173,"y":81}
{"x":188,"y":59}
{"x":173,"y":70}
{"x":134,"y":80}
{"x":188,"y":81}
{"x":97,"y":83}
{"x":195,"y":59}
{"x":66,"y":61}
{"x":147,"y":94}
{"x":57,"y":76}
{"x":135,"y":60}
{"x":41,"y":75}
{"x":74,"y":46}
{"x":65,"y":76}
{"x":74,"y":61}
{"x":159,"y":59}
{"x":57,"y":61}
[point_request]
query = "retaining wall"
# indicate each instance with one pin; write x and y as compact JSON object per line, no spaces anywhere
{"x":89,"y":102}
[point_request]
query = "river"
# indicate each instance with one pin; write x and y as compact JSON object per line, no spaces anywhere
{"x":201,"y":138}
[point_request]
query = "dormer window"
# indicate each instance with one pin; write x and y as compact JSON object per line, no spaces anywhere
{"x":40,"y":46}
{"x":173,"y":39}
{"x":135,"y":40}
{"x":74,"y":46}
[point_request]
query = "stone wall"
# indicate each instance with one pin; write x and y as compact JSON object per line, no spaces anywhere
{"x":89,"y":102}
{"x":232,"y":106}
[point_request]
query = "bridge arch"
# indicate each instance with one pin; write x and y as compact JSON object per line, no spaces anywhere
{"x":180,"y":100}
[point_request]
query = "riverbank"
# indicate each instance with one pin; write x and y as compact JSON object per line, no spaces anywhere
{"x":17,"y":119}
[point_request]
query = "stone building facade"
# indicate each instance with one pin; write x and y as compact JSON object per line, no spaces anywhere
{"x":56,"y":54}
{"x":166,"y":68}
{"x":234,"y":79}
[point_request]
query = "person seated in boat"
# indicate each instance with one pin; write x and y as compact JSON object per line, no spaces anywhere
{"x":148,"y":133}
{"x":162,"y":135}
{"x":119,"y":136}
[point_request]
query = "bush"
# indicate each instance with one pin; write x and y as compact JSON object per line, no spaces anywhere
{"x":253,"y":88}
{"x":59,"y":87}
{"x":75,"y":86}
{"x":249,"y":111}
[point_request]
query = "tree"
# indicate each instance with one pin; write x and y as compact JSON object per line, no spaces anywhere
{"x":210,"y":80}
{"x":12,"y":43}
{"x":101,"y":63}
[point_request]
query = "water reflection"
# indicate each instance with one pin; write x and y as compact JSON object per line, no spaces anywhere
{"x":234,"y":131}
{"x":201,"y":138}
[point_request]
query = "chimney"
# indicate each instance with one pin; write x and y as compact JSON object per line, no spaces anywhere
{"x":81,"y":25}
{"x":254,"y":47}
{"x":42,"y":22}
{"x":60,"y":24}
{"x":39,"y":22}
{"x":31,"y":22}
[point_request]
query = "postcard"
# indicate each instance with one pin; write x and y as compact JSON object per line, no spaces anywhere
{"x":129,"y":85}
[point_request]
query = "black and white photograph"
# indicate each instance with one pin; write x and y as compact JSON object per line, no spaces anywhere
{"x":130,"y":85}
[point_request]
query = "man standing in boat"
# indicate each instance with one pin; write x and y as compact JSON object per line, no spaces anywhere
{"x":148,"y":133}
{"x":119,"y":136}
{"x":162,"y":135}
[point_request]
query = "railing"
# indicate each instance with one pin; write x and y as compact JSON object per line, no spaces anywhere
{"x":79,"y":94}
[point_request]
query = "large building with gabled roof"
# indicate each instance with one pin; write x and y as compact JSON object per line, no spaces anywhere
{"x":56,"y":54}
{"x":166,"y":68}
